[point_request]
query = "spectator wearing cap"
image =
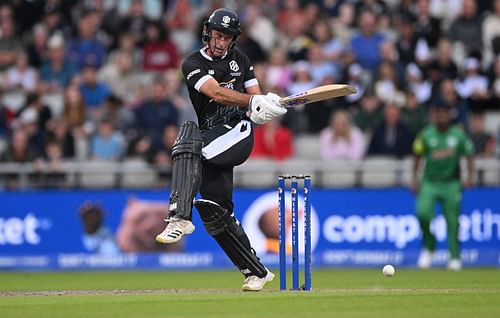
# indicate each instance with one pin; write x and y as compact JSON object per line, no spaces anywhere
{"x":466,"y":29}
{"x":365,"y":46}
{"x":57,"y":72}
{"x":474,"y":85}
{"x":416,"y":83}
{"x":302,"y":79}
{"x":21,"y":76}
{"x":391,"y":137}
{"x":10,"y":44}
{"x":86,"y":49}
{"x":160,"y":54}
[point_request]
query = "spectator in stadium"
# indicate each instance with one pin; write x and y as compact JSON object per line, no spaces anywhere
{"x":474,"y":85}
{"x":122,"y":77}
{"x":443,"y":67}
{"x":332,"y":48}
{"x":107,"y":144}
{"x":322,"y":70}
{"x":94,"y":92}
{"x":57,"y":72}
{"x":152,"y":116}
{"x":86,"y":49}
{"x":37,"y":48}
{"x":354,"y":79}
{"x":365,"y":46}
{"x":484,"y":143}
{"x":126,"y":43}
{"x":490,"y":30}
{"x":448,"y":93}
{"x":407,"y":41}
{"x":386,"y":84}
{"x":272,"y":141}
{"x":96,"y":237}
{"x":341,"y":140}
{"x":43,"y":112}
{"x":414,"y":114}
{"x":10,"y":44}
{"x":160,"y":53}
{"x":418,"y":84}
{"x":256,"y":24}
{"x":278,"y":73}
{"x":426,"y":26}
{"x":59,"y":133}
{"x":21,"y":76}
{"x":53,"y":157}
{"x":370,"y":113}
{"x":161,"y":154}
{"x":392,"y":137}
{"x":136,"y":22}
{"x":6,"y":116}
{"x":441,"y":145}
{"x":115,"y":110}
{"x":466,"y":29}
{"x":20,"y":150}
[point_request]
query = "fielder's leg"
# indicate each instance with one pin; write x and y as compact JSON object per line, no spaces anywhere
{"x":426,"y":202}
{"x":186,"y":181}
{"x":451,"y":198}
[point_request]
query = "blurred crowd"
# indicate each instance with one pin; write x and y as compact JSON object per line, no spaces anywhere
{"x":99,"y":79}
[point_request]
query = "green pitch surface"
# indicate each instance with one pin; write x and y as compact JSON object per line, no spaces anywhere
{"x":337,"y":293}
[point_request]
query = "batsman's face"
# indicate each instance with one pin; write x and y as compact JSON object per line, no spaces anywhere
{"x":219,"y":42}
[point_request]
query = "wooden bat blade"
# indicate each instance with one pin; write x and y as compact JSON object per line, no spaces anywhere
{"x":317,"y":94}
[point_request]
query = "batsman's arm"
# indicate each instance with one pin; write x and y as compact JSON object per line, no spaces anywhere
{"x":226,"y":96}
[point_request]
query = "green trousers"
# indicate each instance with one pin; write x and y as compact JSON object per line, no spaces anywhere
{"x":448,"y":194}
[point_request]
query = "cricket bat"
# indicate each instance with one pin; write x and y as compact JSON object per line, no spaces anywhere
{"x":317,"y":94}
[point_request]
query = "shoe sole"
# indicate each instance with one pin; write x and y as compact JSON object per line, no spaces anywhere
{"x":269,"y":278}
{"x":161,"y":239}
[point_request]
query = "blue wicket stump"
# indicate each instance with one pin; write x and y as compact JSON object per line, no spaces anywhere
{"x":294,"y":194}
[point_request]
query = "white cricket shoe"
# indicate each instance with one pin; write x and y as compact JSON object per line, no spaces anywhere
{"x":455,"y":264}
{"x":425,"y":259}
{"x":176,"y":228}
{"x":255,"y":283}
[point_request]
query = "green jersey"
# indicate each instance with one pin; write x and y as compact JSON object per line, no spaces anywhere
{"x":442,"y":152}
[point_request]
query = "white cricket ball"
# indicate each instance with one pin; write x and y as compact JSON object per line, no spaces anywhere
{"x":388,"y":270}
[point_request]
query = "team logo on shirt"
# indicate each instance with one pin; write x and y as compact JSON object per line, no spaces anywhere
{"x":211,"y":72}
{"x":451,"y":142}
{"x":234,"y":66}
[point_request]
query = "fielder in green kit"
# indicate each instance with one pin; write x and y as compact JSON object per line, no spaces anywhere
{"x":441,"y":145}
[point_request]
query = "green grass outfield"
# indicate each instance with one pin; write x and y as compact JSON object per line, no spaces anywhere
{"x":337,"y":293}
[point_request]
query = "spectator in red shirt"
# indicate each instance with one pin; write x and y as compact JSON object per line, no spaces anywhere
{"x":271,"y":140}
{"x":160,"y":54}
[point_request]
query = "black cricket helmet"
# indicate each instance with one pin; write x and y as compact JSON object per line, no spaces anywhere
{"x":223,"y":20}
